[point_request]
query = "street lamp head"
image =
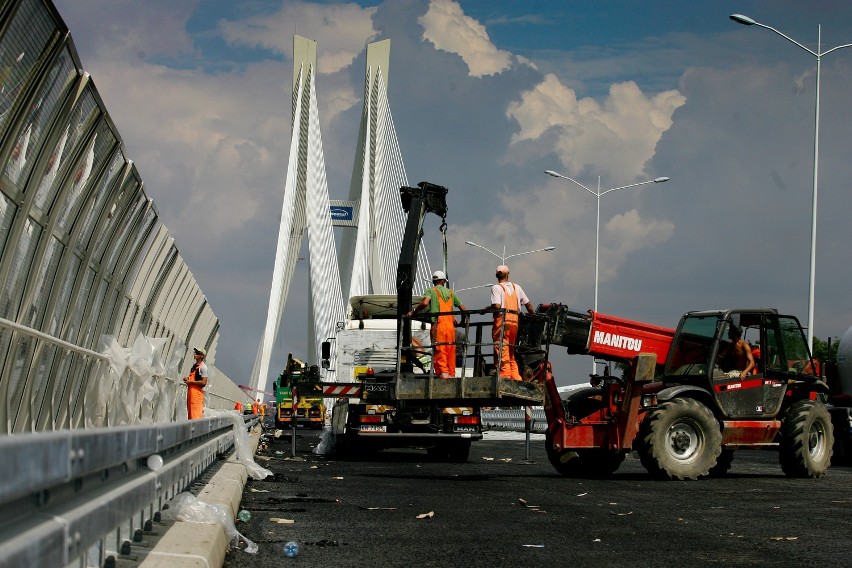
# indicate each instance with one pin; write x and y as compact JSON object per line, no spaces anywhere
{"x":661,"y":180}
{"x":549,"y":248}
{"x":552,"y":173}
{"x":471,"y":243}
{"x":744,"y":20}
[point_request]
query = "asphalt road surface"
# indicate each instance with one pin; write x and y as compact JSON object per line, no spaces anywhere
{"x":397,"y":508}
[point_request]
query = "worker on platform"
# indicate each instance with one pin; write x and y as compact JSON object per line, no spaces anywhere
{"x":441,"y":300}
{"x":195,"y":383}
{"x":510,"y":297}
{"x":238,"y":406}
{"x":255,"y":407}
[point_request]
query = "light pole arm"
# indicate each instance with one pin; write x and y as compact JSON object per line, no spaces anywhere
{"x":836,"y":48}
{"x":558,"y":175}
{"x":788,"y":38}
{"x":545,"y":249}
{"x":473,"y":244}
{"x":658,"y":180}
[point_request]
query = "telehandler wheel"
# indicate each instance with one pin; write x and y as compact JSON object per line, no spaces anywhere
{"x":807,"y":437}
{"x":583,"y":462}
{"x":679,"y":440}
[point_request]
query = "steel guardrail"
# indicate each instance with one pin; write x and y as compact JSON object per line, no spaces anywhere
{"x":73,"y":494}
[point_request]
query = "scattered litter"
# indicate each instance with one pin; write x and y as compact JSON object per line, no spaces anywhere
{"x":378,"y":508}
{"x":187,"y":507}
{"x":596,"y":540}
{"x":314,"y":467}
{"x":523,"y":503}
{"x":487,"y":459}
{"x":505,"y":459}
{"x":583,"y":494}
{"x":337,"y":477}
{"x":783,"y":538}
{"x":253,"y":490}
{"x":282,"y":521}
{"x":264,"y":458}
{"x":279,"y":453}
{"x":533,"y":545}
{"x":621,"y":514}
{"x":428,"y":515}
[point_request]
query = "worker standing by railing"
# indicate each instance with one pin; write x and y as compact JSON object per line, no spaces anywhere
{"x":195,"y":383}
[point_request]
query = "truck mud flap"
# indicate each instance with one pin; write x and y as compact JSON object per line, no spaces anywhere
{"x":470,"y":391}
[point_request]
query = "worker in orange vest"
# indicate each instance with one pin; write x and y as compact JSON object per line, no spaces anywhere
{"x":195,"y":383}
{"x":255,"y":407}
{"x":239,"y":407}
{"x":510,"y":297}
{"x":440,"y":299}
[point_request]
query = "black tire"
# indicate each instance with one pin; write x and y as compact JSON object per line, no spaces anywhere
{"x":583,"y":402}
{"x":679,"y":440}
{"x":589,"y":463}
{"x":459,"y":452}
{"x":455,"y":452}
{"x":807,"y":437}
{"x":723,"y":464}
{"x":583,"y":462}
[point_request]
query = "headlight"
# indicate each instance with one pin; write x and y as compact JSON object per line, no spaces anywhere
{"x":649,"y":400}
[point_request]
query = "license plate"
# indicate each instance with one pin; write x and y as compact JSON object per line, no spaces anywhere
{"x":373,"y":428}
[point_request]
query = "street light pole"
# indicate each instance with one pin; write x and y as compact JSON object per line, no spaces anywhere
{"x":598,"y":194}
{"x":819,"y":54}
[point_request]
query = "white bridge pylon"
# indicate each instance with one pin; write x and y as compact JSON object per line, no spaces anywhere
{"x":369,"y":257}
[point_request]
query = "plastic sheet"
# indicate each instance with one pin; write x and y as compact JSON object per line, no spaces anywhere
{"x":188,"y":508}
{"x":133,"y":389}
{"x":241,"y":445}
{"x":326,"y":445}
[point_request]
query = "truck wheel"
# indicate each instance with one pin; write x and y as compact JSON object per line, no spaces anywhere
{"x":583,"y":462}
{"x":807,"y":438}
{"x":459,"y":452}
{"x":679,"y":440}
{"x":723,"y":464}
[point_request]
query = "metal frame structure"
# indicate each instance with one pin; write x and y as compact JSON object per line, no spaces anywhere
{"x":83,"y":254}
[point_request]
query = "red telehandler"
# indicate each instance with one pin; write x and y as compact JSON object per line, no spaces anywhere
{"x":678,"y":405}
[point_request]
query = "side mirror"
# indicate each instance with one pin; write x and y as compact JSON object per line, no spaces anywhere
{"x":326,"y":350}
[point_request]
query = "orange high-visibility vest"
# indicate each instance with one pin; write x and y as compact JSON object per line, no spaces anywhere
{"x":444,"y":331}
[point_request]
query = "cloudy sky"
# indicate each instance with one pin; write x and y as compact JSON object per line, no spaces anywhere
{"x":486,"y":95}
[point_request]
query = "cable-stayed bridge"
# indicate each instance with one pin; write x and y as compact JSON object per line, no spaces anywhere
{"x":368,"y":260}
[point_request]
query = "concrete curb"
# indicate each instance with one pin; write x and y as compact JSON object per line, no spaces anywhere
{"x":195,"y":545}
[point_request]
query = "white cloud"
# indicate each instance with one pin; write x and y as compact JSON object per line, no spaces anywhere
{"x":626,"y":233}
{"x":446,"y":26}
{"x":615,"y":138}
{"x":340,"y":30}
